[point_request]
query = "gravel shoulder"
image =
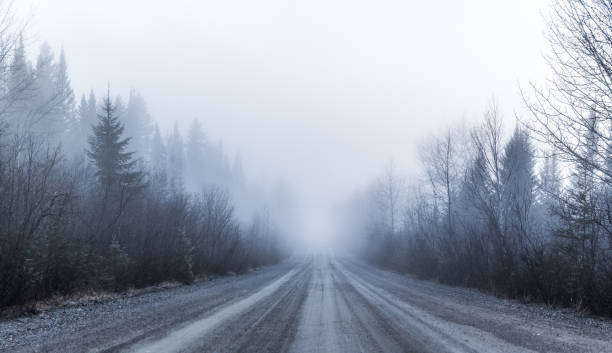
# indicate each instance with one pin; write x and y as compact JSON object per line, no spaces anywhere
{"x":110,"y":325}
{"x":531,"y":326}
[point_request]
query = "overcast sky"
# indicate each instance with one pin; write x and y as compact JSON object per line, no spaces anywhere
{"x":319,"y":93}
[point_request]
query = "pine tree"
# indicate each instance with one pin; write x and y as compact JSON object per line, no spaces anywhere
{"x":45,"y":117}
{"x":137,"y":123}
{"x":176,"y":158}
{"x":63,"y":89}
{"x":19,"y":75}
{"x":580,"y":231}
{"x":120,"y":108}
{"x":518,"y":185}
{"x":217,"y":165}
{"x":18,"y":86}
{"x":238,"y":175}
{"x":87,"y":118}
{"x":550,"y":181}
{"x":158,"y":158}
{"x":107,"y":151}
{"x":65,"y":104}
{"x":84,"y":126}
{"x":548,"y":196}
{"x":195,"y":150}
{"x":92,"y":104}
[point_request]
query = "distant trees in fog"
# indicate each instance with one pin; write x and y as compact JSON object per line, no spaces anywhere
{"x":489,"y":214}
{"x":94,"y":196}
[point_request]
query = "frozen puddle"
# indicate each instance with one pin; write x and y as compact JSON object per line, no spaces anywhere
{"x":179,"y":339}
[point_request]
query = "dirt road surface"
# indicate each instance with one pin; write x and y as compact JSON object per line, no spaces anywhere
{"x":318,"y":303}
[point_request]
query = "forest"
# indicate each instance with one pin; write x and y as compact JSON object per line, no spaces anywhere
{"x":94,"y":196}
{"x":524,"y":213}
{"x":305,"y":176}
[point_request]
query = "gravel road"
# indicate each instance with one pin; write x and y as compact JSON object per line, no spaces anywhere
{"x":318,"y":303}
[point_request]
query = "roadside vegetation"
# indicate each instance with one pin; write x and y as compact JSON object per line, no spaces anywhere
{"x":93,"y":196}
{"x":526,"y":214}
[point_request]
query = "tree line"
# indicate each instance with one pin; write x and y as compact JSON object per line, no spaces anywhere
{"x":527,"y":215}
{"x":92,"y":196}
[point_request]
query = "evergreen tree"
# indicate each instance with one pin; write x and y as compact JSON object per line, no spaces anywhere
{"x":63,"y":89}
{"x":19,"y":84}
{"x":580,"y":231}
{"x":87,"y":118}
{"x":550,"y":181}
{"x":92,"y":104}
{"x":65,"y":104}
{"x":548,"y":196}
{"x":195,"y":149}
{"x":519,"y":183}
{"x":159,"y":156}
{"x":19,"y":74}
{"x":83,"y":119}
{"x":217,"y":166}
{"x":137,"y":122}
{"x":107,"y":151}
{"x":120,"y":108}
{"x":238,"y":175}
{"x":45,"y":116}
{"x":176,"y":158}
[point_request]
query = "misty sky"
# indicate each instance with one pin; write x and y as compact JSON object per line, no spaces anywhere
{"x":320,"y":94}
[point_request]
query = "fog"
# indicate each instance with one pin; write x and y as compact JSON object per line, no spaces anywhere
{"x":316,"y":95}
{"x":287,"y":176}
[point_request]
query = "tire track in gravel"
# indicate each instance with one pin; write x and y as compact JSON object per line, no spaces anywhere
{"x":185,"y":336}
{"x":338,"y":318}
{"x":269,"y":326}
{"x":484,"y":312}
{"x":427,"y":333}
{"x":328,"y":320}
{"x":307,"y":305}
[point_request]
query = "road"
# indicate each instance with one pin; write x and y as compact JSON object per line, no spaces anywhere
{"x":318,"y":303}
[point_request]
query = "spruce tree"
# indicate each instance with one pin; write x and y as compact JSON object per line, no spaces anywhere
{"x":518,"y":186}
{"x":87,"y":118}
{"x":195,"y":150}
{"x":238,"y":175}
{"x":82,"y":116}
{"x":19,"y":84}
{"x":19,"y":71}
{"x":92,"y":104}
{"x":138,"y":123}
{"x":158,"y":157}
{"x":107,"y":151}
{"x":580,"y":229}
{"x":44,"y":114}
{"x":176,"y":158}
{"x":63,"y":90}
{"x":65,"y":105}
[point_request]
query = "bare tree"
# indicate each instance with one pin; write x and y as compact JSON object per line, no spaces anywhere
{"x":488,"y":144}
{"x":444,"y":160}
{"x":388,"y":194}
{"x":580,"y":34}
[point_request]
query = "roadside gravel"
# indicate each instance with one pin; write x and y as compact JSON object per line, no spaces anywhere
{"x":75,"y":329}
{"x":534,"y":326}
